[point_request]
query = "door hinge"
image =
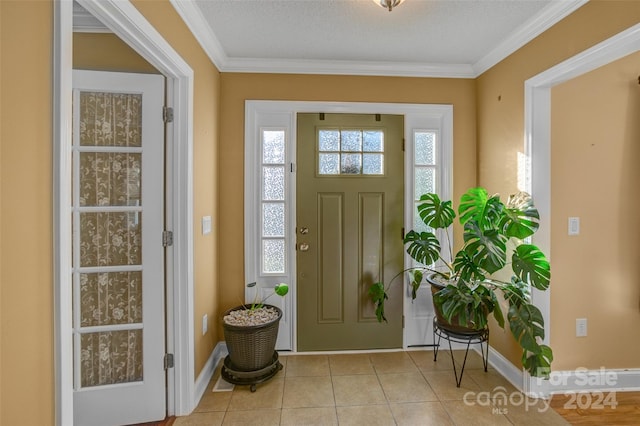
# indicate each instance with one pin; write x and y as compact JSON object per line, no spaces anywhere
{"x":167,"y":114}
{"x":403,"y":321}
{"x":402,"y":234}
{"x":402,"y":144}
{"x":167,"y":238}
{"x":168,"y":361}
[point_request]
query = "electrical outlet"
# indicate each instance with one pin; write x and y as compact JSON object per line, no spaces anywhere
{"x":205,"y":324}
{"x":581,"y":327}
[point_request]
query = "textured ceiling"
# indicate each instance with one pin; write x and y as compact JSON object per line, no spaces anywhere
{"x":458,"y":32}
{"x":429,"y":38}
{"x":350,"y":36}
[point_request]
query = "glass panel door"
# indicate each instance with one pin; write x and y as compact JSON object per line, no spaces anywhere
{"x":118,"y":273}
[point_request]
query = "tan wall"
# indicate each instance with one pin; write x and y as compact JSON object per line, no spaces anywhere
{"x":107,"y":52}
{"x":236,"y":88}
{"x":595,"y":130}
{"x":500,"y":138}
{"x":26,"y":286}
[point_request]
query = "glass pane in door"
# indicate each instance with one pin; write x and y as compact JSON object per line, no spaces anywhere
{"x":110,"y":119}
{"x":108,"y":243}
{"x":110,"y":298}
{"x":111,"y":357}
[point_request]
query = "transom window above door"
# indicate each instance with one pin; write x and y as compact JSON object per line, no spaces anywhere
{"x":350,"y":152}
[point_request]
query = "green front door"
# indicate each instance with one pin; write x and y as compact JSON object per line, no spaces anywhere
{"x":350,"y":204}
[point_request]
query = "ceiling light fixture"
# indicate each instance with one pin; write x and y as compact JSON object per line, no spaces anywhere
{"x":388,"y":4}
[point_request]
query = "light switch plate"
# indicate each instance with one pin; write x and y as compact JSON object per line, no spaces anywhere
{"x":581,"y":327}
{"x":206,"y":225}
{"x":574,"y":226}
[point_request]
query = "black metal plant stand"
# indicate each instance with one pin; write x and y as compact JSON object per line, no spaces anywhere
{"x":472,"y":337}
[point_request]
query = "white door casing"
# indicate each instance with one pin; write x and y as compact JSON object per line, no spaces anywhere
{"x":537,"y":150}
{"x":261,"y":115}
{"x":118,"y":256}
{"x":425,"y":173}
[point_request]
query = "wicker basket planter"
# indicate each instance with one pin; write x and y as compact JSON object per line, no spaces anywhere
{"x":251,"y":347}
{"x":252,"y":357}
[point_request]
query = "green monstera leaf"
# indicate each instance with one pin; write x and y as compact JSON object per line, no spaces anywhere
{"x":466,"y":268}
{"x":415,"y":279}
{"x":538,"y":364}
{"x":527,"y":324}
{"x":423,"y":247}
{"x":435,"y":213}
{"x":378,"y":296}
{"x":487,"y":249}
{"x":476,"y":205}
{"x":520,"y":218}
{"x":531,"y":266}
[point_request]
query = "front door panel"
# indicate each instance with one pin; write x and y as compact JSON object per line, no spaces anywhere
{"x":349,"y":217}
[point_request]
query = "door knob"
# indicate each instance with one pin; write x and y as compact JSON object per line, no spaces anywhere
{"x":304,"y":247}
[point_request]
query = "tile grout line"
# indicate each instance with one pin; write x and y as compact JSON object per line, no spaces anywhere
{"x":333,"y":391}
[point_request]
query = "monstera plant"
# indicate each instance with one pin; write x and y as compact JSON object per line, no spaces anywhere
{"x":470,"y":283}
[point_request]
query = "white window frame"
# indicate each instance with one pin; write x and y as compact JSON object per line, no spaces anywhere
{"x":282,"y":114}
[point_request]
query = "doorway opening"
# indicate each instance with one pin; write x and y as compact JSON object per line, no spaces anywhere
{"x":128,"y":23}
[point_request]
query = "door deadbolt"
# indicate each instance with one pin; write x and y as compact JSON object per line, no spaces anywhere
{"x":304,"y":231}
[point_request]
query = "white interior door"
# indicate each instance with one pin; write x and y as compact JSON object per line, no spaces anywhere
{"x":118,"y":257}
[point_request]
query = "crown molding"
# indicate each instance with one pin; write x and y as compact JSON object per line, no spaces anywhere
{"x":547,"y":18}
{"x":309,"y":66}
{"x":195,"y":21}
{"x":85,"y":22}
{"x":193,"y":18}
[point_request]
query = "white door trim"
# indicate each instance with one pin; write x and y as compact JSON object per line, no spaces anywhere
{"x":130,"y":25}
{"x":537,"y":148}
{"x":283,"y":114}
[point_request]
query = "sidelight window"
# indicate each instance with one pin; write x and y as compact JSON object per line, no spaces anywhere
{"x":273,"y":201}
{"x":425,"y":169}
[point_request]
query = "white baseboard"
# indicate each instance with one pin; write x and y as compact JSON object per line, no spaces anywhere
{"x":218,"y":353}
{"x":509,"y":371}
{"x":570,"y":381}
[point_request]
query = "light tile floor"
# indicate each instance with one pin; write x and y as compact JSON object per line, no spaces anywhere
{"x":387,"y":388}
